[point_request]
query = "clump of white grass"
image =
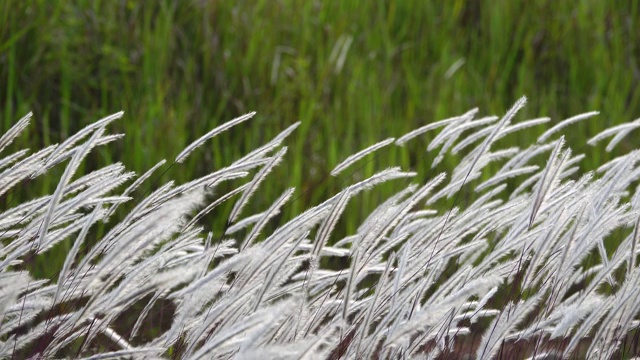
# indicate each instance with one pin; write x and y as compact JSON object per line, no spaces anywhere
{"x":532,"y":273}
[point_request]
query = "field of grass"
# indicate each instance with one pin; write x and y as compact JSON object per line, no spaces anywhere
{"x":353,"y":73}
{"x":547,"y":270}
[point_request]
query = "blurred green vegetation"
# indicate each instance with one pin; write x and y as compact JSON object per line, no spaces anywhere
{"x":354,"y":73}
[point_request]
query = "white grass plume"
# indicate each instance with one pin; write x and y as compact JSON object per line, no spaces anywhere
{"x":359,"y":155}
{"x":417,"y":132}
{"x":560,"y":249}
{"x":226,"y":126}
{"x":564,"y":123}
{"x":8,"y":137}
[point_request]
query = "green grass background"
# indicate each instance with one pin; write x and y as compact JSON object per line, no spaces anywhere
{"x":354,"y":73}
